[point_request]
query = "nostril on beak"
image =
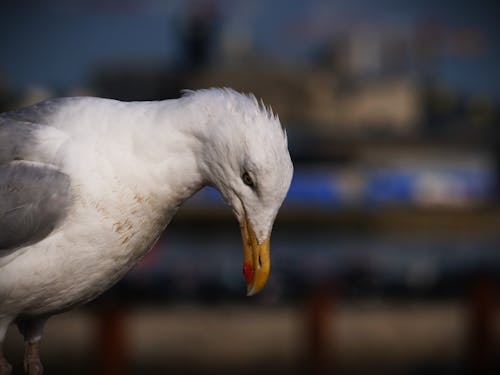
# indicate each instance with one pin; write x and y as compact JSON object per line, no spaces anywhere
{"x":260,"y":262}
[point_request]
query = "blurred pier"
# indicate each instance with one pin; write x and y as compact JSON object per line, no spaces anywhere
{"x":415,"y":337}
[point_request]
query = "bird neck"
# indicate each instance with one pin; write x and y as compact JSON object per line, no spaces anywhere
{"x":201,"y":132}
{"x":186,"y":145}
{"x":181,"y":156}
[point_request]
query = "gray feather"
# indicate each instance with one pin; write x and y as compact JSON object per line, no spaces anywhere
{"x":18,"y":128}
{"x":16,"y":140}
{"x":34,"y":199}
{"x":40,"y":113}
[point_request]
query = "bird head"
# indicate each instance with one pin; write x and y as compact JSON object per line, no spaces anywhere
{"x":249,"y":163}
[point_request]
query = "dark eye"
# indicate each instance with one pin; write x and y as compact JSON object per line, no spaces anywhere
{"x":247,"y":179}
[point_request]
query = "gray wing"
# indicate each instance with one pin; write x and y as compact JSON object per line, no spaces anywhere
{"x":39,"y":113}
{"x":34,"y":200}
{"x":18,"y":128}
{"x":34,"y":197}
{"x":16,"y":140}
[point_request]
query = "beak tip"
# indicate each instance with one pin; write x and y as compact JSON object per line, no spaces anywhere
{"x":251,"y":290}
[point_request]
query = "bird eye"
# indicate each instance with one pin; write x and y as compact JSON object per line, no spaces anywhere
{"x":247,"y":179}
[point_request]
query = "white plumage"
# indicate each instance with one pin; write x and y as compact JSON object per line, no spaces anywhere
{"x":89,"y":184}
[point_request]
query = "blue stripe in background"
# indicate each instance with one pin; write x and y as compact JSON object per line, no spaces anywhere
{"x":329,"y":188}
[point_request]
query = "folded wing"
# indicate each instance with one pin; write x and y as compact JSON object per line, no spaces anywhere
{"x":34,"y":199}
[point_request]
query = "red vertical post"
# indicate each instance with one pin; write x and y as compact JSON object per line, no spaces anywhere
{"x":482,"y":308}
{"x":318,"y":326}
{"x":112,"y":340}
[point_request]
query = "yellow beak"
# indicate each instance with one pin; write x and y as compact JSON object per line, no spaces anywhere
{"x":257,"y":262}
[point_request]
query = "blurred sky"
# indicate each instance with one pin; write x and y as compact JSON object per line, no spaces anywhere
{"x":60,"y":43}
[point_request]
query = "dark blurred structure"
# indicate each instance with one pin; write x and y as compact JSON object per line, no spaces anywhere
{"x":198,"y":37}
{"x":385,"y":253}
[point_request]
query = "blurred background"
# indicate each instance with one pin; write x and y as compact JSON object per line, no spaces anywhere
{"x":386,"y":251}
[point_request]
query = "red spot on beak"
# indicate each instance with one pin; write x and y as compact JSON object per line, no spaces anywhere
{"x":248,"y":272}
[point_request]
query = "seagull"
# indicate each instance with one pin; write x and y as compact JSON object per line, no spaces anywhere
{"x":87,"y":185}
